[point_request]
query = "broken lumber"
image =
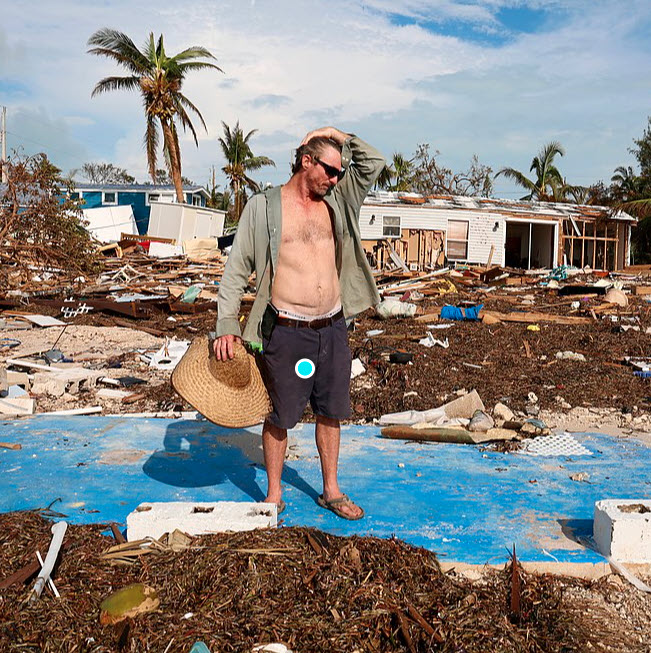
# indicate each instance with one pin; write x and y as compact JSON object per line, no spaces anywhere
{"x":447,"y":434}
{"x":534,"y":316}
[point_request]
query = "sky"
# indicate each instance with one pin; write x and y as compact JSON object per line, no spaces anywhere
{"x":493,"y":78}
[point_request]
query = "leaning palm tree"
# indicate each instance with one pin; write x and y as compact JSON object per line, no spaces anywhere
{"x":239,"y":161}
{"x":548,"y":184}
{"x":159,"y":78}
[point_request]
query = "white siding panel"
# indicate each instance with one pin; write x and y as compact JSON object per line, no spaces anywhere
{"x":480,"y":226}
{"x":482,"y":236}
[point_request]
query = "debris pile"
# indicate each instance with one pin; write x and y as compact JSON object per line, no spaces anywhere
{"x":300,"y":587}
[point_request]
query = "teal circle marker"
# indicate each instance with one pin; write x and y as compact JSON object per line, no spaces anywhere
{"x":305,"y":368}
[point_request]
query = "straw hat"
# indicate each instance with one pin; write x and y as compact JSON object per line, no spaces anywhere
{"x":229,"y":393}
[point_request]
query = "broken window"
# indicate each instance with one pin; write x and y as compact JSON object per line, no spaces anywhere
{"x":391,"y":226}
{"x":458,"y":240}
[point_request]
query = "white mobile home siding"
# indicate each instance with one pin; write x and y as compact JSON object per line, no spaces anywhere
{"x":481,"y":233}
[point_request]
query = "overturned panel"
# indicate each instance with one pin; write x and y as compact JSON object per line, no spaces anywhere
{"x":193,"y":518}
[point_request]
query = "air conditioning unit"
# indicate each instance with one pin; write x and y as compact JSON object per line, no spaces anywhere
{"x":413,"y":267}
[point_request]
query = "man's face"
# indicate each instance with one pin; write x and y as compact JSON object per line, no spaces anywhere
{"x":323,"y":171}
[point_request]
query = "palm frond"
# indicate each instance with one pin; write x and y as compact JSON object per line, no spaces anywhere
{"x":185,"y":102}
{"x":195,"y":52}
{"x":184,"y":119}
{"x":641,"y":208}
{"x":116,"y":84}
{"x":517,"y":177}
{"x":257,"y":162}
{"x":118,"y":46}
{"x":196,"y":65}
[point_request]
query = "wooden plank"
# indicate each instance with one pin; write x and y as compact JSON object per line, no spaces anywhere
{"x":642,"y":290}
{"x":533,"y":317}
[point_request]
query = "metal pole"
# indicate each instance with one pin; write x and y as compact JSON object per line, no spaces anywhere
{"x":3,"y":134}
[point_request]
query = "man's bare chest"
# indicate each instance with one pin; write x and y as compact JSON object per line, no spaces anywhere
{"x":313,"y":228}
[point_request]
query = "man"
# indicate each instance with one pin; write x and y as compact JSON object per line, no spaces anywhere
{"x":302,"y":240}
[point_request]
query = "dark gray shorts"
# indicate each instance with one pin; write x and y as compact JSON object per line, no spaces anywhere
{"x":328,"y":389}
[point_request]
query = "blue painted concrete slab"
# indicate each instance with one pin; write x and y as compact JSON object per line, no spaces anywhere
{"x":465,"y":504}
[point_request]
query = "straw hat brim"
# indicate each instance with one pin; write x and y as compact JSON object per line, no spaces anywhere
{"x":218,"y":401}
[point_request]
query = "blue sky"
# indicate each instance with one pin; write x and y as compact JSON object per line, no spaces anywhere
{"x":495,"y":78}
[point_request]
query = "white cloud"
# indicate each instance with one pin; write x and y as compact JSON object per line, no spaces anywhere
{"x":289,"y":65}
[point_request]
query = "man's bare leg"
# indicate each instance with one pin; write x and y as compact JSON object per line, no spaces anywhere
{"x":328,"y":436}
{"x":274,"y":445}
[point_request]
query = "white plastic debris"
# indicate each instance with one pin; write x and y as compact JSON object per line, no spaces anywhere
{"x":429,"y":341}
{"x":271,"y":648}
{"x":58,"y":531}
{"x":168,"y":356}
{"x":395,"y":308}
{"x":356,"y":368}
{"x":570,"y":356}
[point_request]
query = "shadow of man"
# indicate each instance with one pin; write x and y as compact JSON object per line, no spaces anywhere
{"x":200,"y":454}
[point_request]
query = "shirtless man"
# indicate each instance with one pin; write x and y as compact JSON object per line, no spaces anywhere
{"x":302,"y":240}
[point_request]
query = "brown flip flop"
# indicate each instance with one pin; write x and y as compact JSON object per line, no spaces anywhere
{"x":336,"y":504}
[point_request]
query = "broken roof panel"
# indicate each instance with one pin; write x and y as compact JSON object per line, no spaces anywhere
{"x":519,"y":208}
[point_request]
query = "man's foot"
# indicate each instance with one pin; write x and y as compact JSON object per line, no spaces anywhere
{"x":342,"y":506}
{"x":280,"y":505}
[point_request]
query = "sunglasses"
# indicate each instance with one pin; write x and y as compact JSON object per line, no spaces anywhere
{"x":331,"y":171}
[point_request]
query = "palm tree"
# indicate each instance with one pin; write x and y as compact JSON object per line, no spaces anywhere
{"x":548,"y":183}
{"x":159,"y":79}
{"x":239,"y":161}
{"x":401,"y":169}
{"x":626,"y":182}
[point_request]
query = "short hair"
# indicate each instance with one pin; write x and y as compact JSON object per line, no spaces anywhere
{"x":313,"y":147}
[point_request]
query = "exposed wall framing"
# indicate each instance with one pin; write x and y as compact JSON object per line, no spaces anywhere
{"x":593,"y":243}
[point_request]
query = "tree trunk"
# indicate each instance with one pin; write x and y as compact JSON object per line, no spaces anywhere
{"x":237,"y":200}
{"x":172,"y":143}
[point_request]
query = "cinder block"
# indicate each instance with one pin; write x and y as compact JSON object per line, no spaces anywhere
{"x":622,"y":529}
{"x":194,"y":518}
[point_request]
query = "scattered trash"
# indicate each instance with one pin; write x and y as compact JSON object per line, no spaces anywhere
{"x":199,"y":647}
{"x":400,"y":357}
{"x":570,"y":355}
{"x":533,"y":327}
{"x":389,"y":308}
{"x":58,"y":531}
{"x":191,"y":294}
{"x":480,"y":421}
{"x":271,"y":648}
{"x":168,"y":356}
{"x":128,"y":602}
{"x":614,"y":296}
{"x":456,"y":313}
{"x":431,"y":341}
{"x":356,"y":368}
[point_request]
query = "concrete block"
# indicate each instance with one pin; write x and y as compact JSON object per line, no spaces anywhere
{"x":622,"y":529}
{"x":195,"y":518}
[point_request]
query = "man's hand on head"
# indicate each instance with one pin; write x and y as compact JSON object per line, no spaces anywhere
{"x":327,"y":132}
{"x":223,"y":346}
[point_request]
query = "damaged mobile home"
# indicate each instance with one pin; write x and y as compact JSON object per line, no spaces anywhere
{"x":427,"y":231}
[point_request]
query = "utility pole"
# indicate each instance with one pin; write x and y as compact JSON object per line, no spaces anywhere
{"x":3,"y":136}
